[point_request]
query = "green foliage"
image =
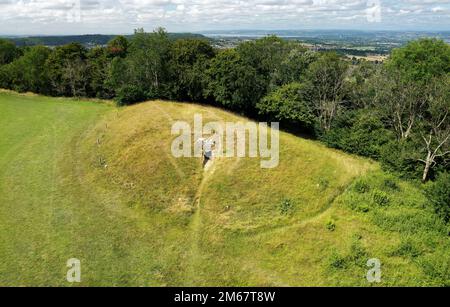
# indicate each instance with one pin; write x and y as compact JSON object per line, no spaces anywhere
{"x":337,"y":261}
{"x":380,"y":198}
{"x":401,"y":158}
{"x":289,"y":104}
{"x":67,"y":70}
{"x":232,"y":83}
{"x":331,"y":225}
{"x":438,"y":194}
{"x":129,"y":94}
{"x":118,"y":47}
{"x":117,"y":75}
{"x":356,"y":256}
{"x":407,"y":248}
{"x":360,"y":132}
{"x":147,"y":63}
{"x":391,"y":184}
{"x":361,"y":186}
{"x":421,"y":60}
{"x":286,"y":207}
{"x":8,"y":52}
{"x":265,"y":55}
{"x":28,"y":73}
{"x":437,"y":268}
{"x":189,"y":60}
{"x":98,"y":66}
{"x":327,"y":77}
{"x":294,"y":66}
{"x":362,"y":84}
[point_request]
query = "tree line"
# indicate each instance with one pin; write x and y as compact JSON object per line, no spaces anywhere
{"x":396,"y":112}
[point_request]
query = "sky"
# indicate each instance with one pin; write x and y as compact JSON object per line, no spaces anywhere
{"x":56,"y":17}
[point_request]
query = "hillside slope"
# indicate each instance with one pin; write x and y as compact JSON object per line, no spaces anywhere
{"x":89,"y":181}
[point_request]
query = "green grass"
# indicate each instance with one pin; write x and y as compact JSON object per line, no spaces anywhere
{"x":89,"y":181}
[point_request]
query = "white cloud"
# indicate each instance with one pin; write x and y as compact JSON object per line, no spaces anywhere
{"x":121,"y":16}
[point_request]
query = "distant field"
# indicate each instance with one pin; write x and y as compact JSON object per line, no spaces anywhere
{"x":90,"y":181}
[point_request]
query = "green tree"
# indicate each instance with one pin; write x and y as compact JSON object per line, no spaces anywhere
{"x":98,"y":67}
{"x":402,"y":101}
{"x":118,"y":47}
{"x":360,"y":132}
{"x":232,"y":83}
{"x":67,"y":70}
{"x":148,"y":62}
{"x":8,"y":52}
{"x":265,"y":55}
{"x":438,"y":194}
{"x":327,"y":76}
{"x":363,"y":84}
{"x":289,"y":104}
{"x":189,"y":59}
{"x":29,"y":73}
{"x":421,"y":60}
{"x":436,"y":123}
{"x":118,"y":75}
{"x":294,"y":65}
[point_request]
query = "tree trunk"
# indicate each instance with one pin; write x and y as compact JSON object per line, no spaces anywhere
{"x":426,"y":171}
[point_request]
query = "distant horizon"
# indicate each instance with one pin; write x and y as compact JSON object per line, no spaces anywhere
{"x":233,"y":31}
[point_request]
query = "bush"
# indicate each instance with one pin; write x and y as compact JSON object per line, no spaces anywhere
{"x":129,"y":94}
{"x":363,"y":208}
{"x":361,"y":187}
{"x":337,"y":261}
{"x":439,"y":195}
{"x":407,"y":248}
{"x":400,"y":158}
{"x":288,"y":104}
{"x":359,"y":132}
{"x":358,"y":254}
{"x":380,"y":198}
{"x":391,"y":184}
{"x":437,"y":268}
{"x":331,"y":225}
{"x":286,"y":207}
{"x":324,"y":184}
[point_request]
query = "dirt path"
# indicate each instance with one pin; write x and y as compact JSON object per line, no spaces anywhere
{"x":195,"y":255}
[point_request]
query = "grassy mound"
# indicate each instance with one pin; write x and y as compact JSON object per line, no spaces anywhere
{"x":90,"y":181}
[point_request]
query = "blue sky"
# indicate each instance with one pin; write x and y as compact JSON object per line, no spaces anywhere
{"x":25,"y":17}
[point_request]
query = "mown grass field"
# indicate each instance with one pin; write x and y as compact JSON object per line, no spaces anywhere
{"x":89,"y":181}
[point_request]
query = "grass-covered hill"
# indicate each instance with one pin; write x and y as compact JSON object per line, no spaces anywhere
{"x":86,"y":180}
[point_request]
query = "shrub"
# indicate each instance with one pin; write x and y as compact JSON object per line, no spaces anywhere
{"x":337,"y":261}
{"x":380,"y":198}
{"x":391,"y":184}
{"x":364,"y":208}
{"x":437,"y":268}
{"x":439,"y":195}
{"x":358,"y":132}
{"x":361,"y":187}
{"x":129,"y":94}
{"x":324,"y":184}
{"x":289,"y":105}
{"x":331,"y":225}
{"x":358,"y":254}
{"x":409,"y":222}
{"x":286,"y":207}
{"x":407,"y":248}
{"x":400,"y":158}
